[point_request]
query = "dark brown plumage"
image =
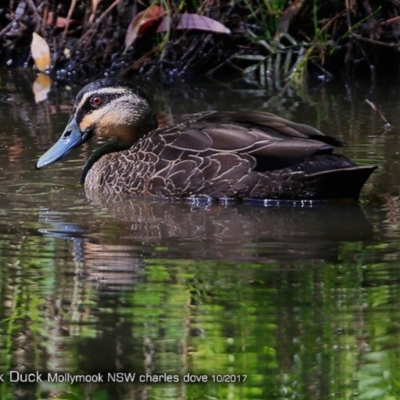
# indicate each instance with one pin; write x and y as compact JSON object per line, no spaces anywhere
{"x":214,"y":154}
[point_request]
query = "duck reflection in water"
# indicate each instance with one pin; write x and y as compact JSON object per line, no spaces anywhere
{"x":127,"y":234}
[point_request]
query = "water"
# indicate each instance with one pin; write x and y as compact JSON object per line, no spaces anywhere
{"x":245,"y":301}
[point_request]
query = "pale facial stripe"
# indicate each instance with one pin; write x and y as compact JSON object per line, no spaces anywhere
{"x":108,"y":115}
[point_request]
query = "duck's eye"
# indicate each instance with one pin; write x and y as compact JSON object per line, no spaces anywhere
{"x":96,"y":101}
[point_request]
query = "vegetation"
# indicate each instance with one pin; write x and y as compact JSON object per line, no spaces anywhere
{"x":270,"y":42}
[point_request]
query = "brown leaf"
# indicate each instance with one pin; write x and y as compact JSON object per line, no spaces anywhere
{"x":164,"y":24}
{"x":194,"y":21}
{"x":288,"y":15}
{"x":41,"y":87}
{"x":60,"y":22}
{"x":40,"y":52}
{"x":141,"y":22}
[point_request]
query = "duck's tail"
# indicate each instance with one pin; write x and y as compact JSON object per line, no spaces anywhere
{"x":343,"y":183}
{"x":328,"y":184}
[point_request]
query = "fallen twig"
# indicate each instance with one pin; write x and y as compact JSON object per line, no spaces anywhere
{"x":379,"y":112}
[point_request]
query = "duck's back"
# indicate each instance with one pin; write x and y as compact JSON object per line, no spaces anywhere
{"x":231,"y":154}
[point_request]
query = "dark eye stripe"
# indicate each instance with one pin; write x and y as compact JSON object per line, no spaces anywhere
{"x":85,"y":107}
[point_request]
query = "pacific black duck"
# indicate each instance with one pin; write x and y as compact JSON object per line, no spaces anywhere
{"x":250,"y":154}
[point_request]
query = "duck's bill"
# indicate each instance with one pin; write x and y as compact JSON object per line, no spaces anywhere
{"x":71,"y":138}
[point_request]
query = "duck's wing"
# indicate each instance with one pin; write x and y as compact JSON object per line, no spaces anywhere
{"x":273,"y":141}
{"x":217,"y":155}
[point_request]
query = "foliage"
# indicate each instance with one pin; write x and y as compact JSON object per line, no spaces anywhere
{"x":271,"y":42}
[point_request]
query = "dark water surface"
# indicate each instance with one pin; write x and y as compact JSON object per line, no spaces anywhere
{"x":291,"y":301}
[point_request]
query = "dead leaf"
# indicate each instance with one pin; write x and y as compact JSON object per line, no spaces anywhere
{"x":141,"y":22}
{"x":41,"y":87}
{"x":288,"y":15}
{"x":40,"y":51}
{"x":195,"y":21}
{"x":60,"y":22}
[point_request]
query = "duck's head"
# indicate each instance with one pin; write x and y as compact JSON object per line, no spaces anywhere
{"x":108,"y":107}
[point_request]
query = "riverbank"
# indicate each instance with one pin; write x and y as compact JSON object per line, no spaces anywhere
{"x":270,"y":43}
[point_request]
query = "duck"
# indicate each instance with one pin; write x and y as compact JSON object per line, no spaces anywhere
{"x":211,"y":154}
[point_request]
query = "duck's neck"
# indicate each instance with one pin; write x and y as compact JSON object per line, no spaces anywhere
{"x":134,"y":125}
{"x":144,"y":121}
{"x":109,"y":147}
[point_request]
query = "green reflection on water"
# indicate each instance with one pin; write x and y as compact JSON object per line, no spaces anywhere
{"x":295,"y":330}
